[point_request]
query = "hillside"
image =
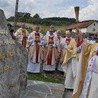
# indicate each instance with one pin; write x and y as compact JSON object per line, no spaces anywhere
{"x":36,"y":19}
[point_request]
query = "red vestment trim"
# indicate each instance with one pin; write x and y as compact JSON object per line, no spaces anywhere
{"x":68,"y":40}
{"x":50,"y":38}
{"x":37,"y":52}
{"x":59,"y":38}
{"x":24,"y":40}
{"x":37,"y":35}
{"x":79,"y":43}
{"x":49,"y":58}
{"x":97,"y":52}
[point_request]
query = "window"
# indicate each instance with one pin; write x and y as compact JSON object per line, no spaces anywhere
{"x":93,"y":29}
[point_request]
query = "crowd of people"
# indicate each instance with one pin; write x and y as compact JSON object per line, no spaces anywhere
{"x":76,"y":56}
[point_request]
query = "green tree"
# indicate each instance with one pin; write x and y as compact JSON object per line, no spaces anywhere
{"x":37,"y":16}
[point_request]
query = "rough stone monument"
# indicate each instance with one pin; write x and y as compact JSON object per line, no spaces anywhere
{"x":13,"y":63}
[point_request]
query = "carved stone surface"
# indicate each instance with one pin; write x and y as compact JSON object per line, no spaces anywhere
{"x":13,"y":63}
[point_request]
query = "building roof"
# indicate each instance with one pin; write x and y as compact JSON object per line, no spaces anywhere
{"x":83,"y":24}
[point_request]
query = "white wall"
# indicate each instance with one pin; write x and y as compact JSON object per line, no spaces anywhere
{"x":93,"y":28}
{"x":83,"y":30}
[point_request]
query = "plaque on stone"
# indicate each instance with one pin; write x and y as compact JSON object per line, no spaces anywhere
{"x":13,"y":63}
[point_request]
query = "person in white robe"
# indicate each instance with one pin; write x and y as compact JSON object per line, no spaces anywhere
{"x":34,"y":50}
{"x":64,"y":44}
{"x":65,"y":41}
{"x":58,"y":40}
{"x":70,"y":62}
{"x":90,"y":88}
{"x":54,"y":31}
{"x":50,"y":51}
{"x":68,"y":66}
{"x":21,"y":35}
{"x":82,"y":60}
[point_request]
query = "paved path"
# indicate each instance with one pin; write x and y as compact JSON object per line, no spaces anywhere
{"x":67,"y":94}
{"x":37,"y":89}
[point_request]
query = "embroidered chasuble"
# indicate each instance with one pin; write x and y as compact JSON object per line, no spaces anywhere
{"x":37,"y":38}
{"x":24,"y":40}
{"x":83,"y":64}
{"x":49,"y":58}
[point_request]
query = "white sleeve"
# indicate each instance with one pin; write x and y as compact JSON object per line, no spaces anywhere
{"x":17,"y":33}
{"x":55,"y":34}
{"x":47,"y":33}
{"x":30,"y":39}
{"x":27,"y":33}
{"x":55,"y":41}
{"x":63,"y":44}
{"x":44,"y":40}
{"x":41,"y":41}
{"x":92,"y":65}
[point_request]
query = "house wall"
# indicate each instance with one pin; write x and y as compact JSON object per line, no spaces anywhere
{"x":83,"y":30}
{"x":93,"y":28}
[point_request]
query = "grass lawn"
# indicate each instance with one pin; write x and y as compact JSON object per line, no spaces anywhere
{"x":55,"y":77}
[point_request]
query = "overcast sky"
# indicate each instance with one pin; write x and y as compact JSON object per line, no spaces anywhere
{"x":53,"y":8}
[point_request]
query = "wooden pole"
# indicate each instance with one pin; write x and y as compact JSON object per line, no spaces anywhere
{"x":77,"y":16}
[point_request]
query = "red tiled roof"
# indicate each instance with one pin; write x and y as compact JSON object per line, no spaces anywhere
{"x":80,"y":25}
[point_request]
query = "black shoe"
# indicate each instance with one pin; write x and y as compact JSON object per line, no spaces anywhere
{"x":66,"y":89}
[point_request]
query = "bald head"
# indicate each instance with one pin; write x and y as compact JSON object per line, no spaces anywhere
{"x":68,"y":34}
{"x":23,"y":26}
{"x":52,"y":28}
{"x":58,"y":32}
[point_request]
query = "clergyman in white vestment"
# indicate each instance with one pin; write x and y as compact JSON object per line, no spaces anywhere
{"x":34,"y":50}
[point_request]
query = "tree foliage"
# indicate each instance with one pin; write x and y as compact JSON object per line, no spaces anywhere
{"x":37,"y":16}
{"x":36,"y":19}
